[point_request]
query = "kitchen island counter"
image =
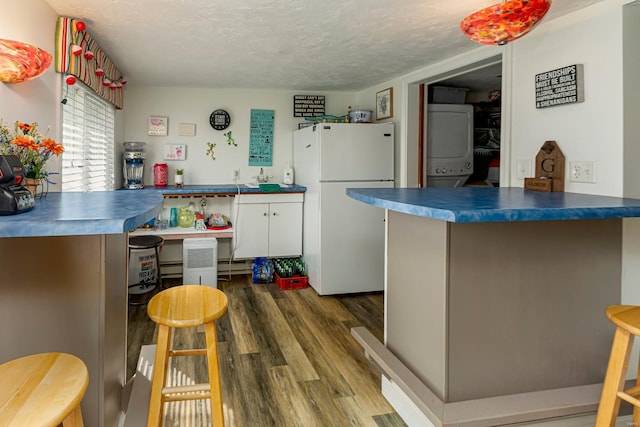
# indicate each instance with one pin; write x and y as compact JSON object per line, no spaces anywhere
{"x":494,"y":302}
{"x":474,"y":204}
{"x":77,"y":213}
{"x":64,"y":286}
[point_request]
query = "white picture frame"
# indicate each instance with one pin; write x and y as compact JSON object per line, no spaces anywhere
{"x":158,"y":126}
{"x":175,"y":152}
{"x":187,"y":129}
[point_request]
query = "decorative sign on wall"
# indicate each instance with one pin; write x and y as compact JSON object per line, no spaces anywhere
{"x":157,"y":126}
{"x":175,"y":152}
{"x":308,"y":105}
{"x":558,"y":87}
{"x":187,"y":129}
{"x":261,"y":138}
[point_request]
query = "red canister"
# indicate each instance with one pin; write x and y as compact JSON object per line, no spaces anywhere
{"x":160,"y":175}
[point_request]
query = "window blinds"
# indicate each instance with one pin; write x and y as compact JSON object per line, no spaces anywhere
{"x":88,"y":139}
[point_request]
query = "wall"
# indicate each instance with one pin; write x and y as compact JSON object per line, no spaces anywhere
{"x":631,"y":241}
{"x":194,"y":105}
{"x":33,"y":22}
{"x":591,"y":130}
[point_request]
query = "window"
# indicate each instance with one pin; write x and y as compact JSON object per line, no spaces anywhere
{"x":88,"y":139}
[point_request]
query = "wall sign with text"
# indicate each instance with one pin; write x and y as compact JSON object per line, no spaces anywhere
{"x":558,"y":87}
{"x":261,"y":138}
{"x":308,"y":105}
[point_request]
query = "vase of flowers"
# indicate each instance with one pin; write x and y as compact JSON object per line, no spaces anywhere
{"x":33,"y":149}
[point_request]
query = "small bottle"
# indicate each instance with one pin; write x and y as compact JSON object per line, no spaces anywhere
{"x":347,"y":118}
{"x":287,"y":176}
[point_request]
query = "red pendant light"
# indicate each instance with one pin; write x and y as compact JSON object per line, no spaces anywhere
{"x":21,"y":61}
{"x":504,"y":22}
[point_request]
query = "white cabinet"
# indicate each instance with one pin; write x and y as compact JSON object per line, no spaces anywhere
{"x":267,"y":225}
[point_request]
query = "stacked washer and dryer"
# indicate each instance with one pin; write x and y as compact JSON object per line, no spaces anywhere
{"x":450,"y":132}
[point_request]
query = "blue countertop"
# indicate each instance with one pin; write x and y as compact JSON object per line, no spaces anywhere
{"x":106,"y":212}
{"x":68,"y":214}
{"x":473,"y":204}
{"x":220,"y":189}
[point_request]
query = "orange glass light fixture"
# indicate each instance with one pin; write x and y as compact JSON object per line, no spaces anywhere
{"x":504,"y":22}
{"x":21,"y":61}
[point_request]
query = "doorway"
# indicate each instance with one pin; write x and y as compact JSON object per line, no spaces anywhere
{"x":481,"y":84}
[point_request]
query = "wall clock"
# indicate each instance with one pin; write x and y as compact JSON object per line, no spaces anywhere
{"x":219,"y":119}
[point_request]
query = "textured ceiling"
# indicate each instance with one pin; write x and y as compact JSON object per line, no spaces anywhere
{"x":278,"y":44}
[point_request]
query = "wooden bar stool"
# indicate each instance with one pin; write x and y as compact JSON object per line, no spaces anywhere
{"x":42,"y":390}
{"x":186,"y":306}
{"x":627,"y":321}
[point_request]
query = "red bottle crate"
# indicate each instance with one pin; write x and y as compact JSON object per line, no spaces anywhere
{"x":293,"y":282}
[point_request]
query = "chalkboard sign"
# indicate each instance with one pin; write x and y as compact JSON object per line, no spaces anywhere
{"x":261,"y":138}
{"x":308,"y":105}
{"x":558,"y":87}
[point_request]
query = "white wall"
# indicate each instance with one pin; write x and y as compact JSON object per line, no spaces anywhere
{"x":194,"y":105}
{"x":592,"y":130}
{"x":33,"y":22}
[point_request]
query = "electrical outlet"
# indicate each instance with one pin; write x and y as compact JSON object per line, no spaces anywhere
{"x":523,"y":169}
{"x":235,"y":175}
{"x":584,"y":171}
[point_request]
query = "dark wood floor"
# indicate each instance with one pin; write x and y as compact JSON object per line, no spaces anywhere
{"x":287,"y":358}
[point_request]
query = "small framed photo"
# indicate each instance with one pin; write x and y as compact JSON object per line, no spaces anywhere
{"x":158,"y":125}
{"x":187,"y":129}
{"x":384,"y":104}
{"x":175,"y":152}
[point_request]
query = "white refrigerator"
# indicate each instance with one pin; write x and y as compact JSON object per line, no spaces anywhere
{"x":343,"y":239}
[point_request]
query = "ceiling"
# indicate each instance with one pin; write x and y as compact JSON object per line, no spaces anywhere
{"x":278,"y":44}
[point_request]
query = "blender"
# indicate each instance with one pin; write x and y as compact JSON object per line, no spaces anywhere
{"x":133,"y":168}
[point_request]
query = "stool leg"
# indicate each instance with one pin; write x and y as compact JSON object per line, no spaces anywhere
{"x":214,"y":374}
{"x":74,"y":419}
{"x":614,"y":379}
{"x":636,"y":410}
{"x":156,"y":403}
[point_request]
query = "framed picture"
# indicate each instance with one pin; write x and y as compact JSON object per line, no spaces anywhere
{"x":175,"y":152}
{"x":157,"y":125}
{"x":384,"y":104}
{"x":187,"y":129}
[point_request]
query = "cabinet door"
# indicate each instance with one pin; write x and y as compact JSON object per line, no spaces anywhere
{"x":285,"y":229}
{"x":251,"y":231}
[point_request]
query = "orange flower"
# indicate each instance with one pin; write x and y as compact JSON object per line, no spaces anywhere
{"x":50,"y":146}
{"x":25,"y":127}
{"x":26,"y":142}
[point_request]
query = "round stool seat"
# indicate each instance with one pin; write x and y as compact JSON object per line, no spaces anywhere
{"x":187,"y":306}
{"x":145,"y":242}
{"x":42,"y":390}
{"x":626,"y":317}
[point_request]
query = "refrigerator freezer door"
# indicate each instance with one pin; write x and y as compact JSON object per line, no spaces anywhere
{"x":355,"y":152}
{"x":305,"y":156}
{"x":351,"y":242}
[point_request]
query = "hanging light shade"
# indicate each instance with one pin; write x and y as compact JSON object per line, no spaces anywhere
{"x":21,"y":61}
{"x":504,"y":22}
